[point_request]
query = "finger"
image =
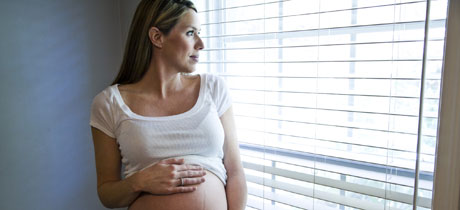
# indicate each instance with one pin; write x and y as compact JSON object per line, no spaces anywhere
{"x":186,"y":167}
{"x":178,"y":161}
{"x":183,"y":189}
{"x":191,"y":174}
{"x":192,"y":181}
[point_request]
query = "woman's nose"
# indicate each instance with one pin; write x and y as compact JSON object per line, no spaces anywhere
{"x":199,"y":44}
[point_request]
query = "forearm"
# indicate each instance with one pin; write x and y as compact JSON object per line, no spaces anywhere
{"x":118,"y":194}
{"x":236,"y":191}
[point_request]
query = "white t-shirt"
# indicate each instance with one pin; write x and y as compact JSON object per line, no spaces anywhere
{"x":196,"y":135}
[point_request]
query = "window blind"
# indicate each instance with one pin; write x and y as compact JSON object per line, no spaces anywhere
{"x":327,"y":97}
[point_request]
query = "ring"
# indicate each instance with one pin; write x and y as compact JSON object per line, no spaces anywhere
{"x":181,"y":182}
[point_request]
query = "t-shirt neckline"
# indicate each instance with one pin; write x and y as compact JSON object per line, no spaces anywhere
{"x":132,"y":114}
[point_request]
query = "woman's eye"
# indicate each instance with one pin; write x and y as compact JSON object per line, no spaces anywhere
{"x":190,"y":33}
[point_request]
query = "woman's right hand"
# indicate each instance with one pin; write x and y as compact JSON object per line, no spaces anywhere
{"x":169,"y":176}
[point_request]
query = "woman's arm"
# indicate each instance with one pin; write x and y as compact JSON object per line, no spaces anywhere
{"x":113,"y":192}
{"x":161,"y":178}
{"x":236,"y":189}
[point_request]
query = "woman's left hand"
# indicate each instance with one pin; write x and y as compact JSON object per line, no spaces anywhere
{"x":169,"y":176}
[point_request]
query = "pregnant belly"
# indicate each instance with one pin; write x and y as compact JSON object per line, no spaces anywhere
{"x":209,"y":195}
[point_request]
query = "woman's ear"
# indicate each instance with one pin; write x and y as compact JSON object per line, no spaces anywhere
{"x":156,"y":37}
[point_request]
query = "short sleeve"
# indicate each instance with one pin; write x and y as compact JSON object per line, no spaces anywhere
{"x":221,"y":95}
{"x":102,"y":115}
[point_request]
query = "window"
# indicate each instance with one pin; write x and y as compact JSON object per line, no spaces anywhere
{"x":328,"y":96}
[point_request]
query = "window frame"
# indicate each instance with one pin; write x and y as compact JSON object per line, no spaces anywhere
{"x":446,"y":190}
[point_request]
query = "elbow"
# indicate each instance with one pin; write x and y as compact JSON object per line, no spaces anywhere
{"x":110,"y":207}
{"x":106,"y":205}
{"x":107,"y":202}
{"x":239,"y":179}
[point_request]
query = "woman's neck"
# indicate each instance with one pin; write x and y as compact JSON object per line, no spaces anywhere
{"x":160,"y":81}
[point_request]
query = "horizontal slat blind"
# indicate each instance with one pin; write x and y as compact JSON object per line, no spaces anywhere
{"x":326,"y":96}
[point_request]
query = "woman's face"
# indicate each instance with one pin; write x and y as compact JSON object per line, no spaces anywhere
{"x":182,"y":45}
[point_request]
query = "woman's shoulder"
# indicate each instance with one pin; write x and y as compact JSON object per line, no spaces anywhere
{"x":218,"y":90}
{"x":212,"y":80}
{"x":215,"y":84}
{"x":105,"y":96}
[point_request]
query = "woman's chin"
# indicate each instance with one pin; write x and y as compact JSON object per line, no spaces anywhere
{"x":189,"y":70}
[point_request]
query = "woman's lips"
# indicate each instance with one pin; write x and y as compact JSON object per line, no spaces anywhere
{"x":194,"y":58}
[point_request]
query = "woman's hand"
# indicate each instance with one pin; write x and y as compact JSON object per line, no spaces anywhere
{"x":169,"y":176}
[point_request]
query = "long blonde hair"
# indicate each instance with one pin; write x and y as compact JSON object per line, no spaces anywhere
{"x":162,"y":14}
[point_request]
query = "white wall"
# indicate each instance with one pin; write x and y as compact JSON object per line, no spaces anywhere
{"x":55,"y":56}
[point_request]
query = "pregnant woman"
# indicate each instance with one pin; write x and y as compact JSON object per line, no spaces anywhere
{"x":172,"y":131}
